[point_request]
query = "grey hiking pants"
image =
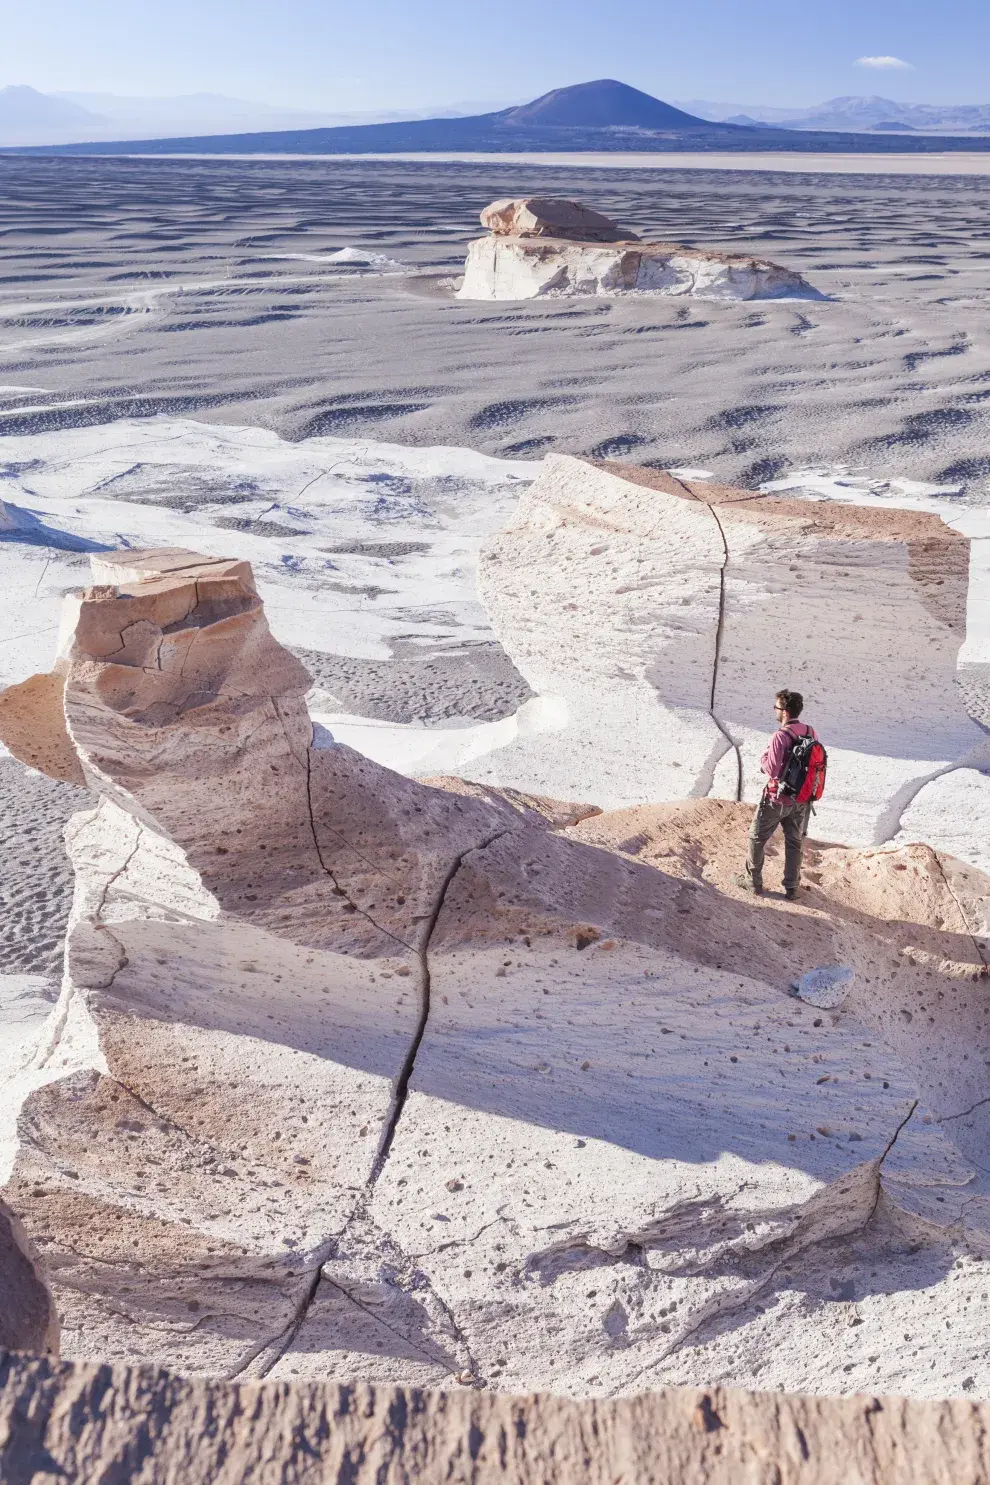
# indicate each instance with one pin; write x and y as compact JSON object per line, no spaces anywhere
{"x":794,"y":818}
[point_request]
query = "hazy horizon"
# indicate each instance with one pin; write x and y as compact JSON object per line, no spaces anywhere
{"x":390,"y":55}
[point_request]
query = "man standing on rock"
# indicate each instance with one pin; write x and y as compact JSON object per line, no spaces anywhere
{"x":778,"y":804}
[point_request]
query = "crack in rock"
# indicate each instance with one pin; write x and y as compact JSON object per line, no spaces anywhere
{"x":338,"y":889}
{"x":400,"y":1092}
{"x":372,"y":1314}
{"x":401,"y":1089}
{"x":976,"y":942}
{"x":367,"y":1255}
{"x":944,"y":1118}
{"x":719,"y":633}
{"x":718,"y":653}
{"x":400,"y":1271}
{"x":289,"y":1333}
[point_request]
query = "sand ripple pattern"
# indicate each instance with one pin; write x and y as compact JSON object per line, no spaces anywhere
{"x":316,"y":296}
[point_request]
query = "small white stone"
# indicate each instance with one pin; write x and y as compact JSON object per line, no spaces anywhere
{"x":825,"y":987}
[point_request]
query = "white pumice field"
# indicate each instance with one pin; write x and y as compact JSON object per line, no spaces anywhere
{"x":389,"y":640}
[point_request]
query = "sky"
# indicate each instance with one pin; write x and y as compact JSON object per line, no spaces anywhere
{"x":342,"y":56}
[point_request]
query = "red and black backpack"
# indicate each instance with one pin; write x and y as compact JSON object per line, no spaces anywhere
{"x":803,"y":776}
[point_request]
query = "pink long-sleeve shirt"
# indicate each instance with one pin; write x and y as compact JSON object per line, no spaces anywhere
{"x":773,"y":760}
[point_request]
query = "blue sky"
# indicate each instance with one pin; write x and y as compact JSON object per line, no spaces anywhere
{"x":370,"y":54}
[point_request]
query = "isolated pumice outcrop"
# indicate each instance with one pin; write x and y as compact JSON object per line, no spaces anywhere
{"x":353,"y":1076}
{"x":547,"y":247}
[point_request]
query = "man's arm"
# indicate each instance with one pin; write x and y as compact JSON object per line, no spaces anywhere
{"x":775,"y":756}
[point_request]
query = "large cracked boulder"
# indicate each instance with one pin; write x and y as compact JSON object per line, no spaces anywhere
{"x":187,"y":1117}
{"x":655,"y":618}
{"x":353,"y":1076}
{"x":551,"y":248}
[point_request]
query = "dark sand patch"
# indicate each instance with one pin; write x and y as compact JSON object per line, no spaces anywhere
{"x":480,"y":682}
{"x":974,"y":683}
{"x":35,"y":875}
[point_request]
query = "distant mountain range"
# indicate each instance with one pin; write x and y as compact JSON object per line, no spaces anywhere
{"x":28,"y":117}
{"x":854,"y":114}
{"x":604,"y":115}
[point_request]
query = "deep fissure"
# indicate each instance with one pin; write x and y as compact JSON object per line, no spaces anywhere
{"x":401,"y":1089}
{"x":719,"y":633}
{"x":284,"y":1338}
{"x":283,"y":1341}
{"x":718,"y":651}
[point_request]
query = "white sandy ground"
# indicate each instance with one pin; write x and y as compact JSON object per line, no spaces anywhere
{"x":357,"y":545}
{"x":253,"y":292}
{"x":964,"y":162}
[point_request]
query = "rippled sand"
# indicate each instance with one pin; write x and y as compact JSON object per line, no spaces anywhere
{"x":206,"y":287}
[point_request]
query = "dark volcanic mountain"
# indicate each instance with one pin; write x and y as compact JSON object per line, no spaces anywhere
{"x":605,"y":104}
{"x":601,"y":116}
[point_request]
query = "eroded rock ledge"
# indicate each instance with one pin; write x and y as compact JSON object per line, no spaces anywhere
{"x":353,"y":1076}
{"x":81,"y":1422}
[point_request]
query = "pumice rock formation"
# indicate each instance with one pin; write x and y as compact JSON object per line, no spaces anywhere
{"x":551,"y":248}
{"x":656,"y":617}
{"x":207,"y":878}
{"x":352,"y":1076}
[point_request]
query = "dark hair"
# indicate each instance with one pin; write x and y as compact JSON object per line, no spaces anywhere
{"x":791,"y":701}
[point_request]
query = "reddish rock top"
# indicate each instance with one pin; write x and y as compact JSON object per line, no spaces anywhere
{"x":552,"y":216}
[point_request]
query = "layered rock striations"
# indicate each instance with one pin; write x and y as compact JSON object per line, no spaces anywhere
{"x":656,"y":618}
{"x":550,"y":248}
{"x":352,"y":1076}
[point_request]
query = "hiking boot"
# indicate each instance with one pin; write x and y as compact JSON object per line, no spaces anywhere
{"x":791,"y":893}
{"x":747,"y":883}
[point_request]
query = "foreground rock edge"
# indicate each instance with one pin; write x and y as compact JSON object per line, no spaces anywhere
{"x":79,"y":1421}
